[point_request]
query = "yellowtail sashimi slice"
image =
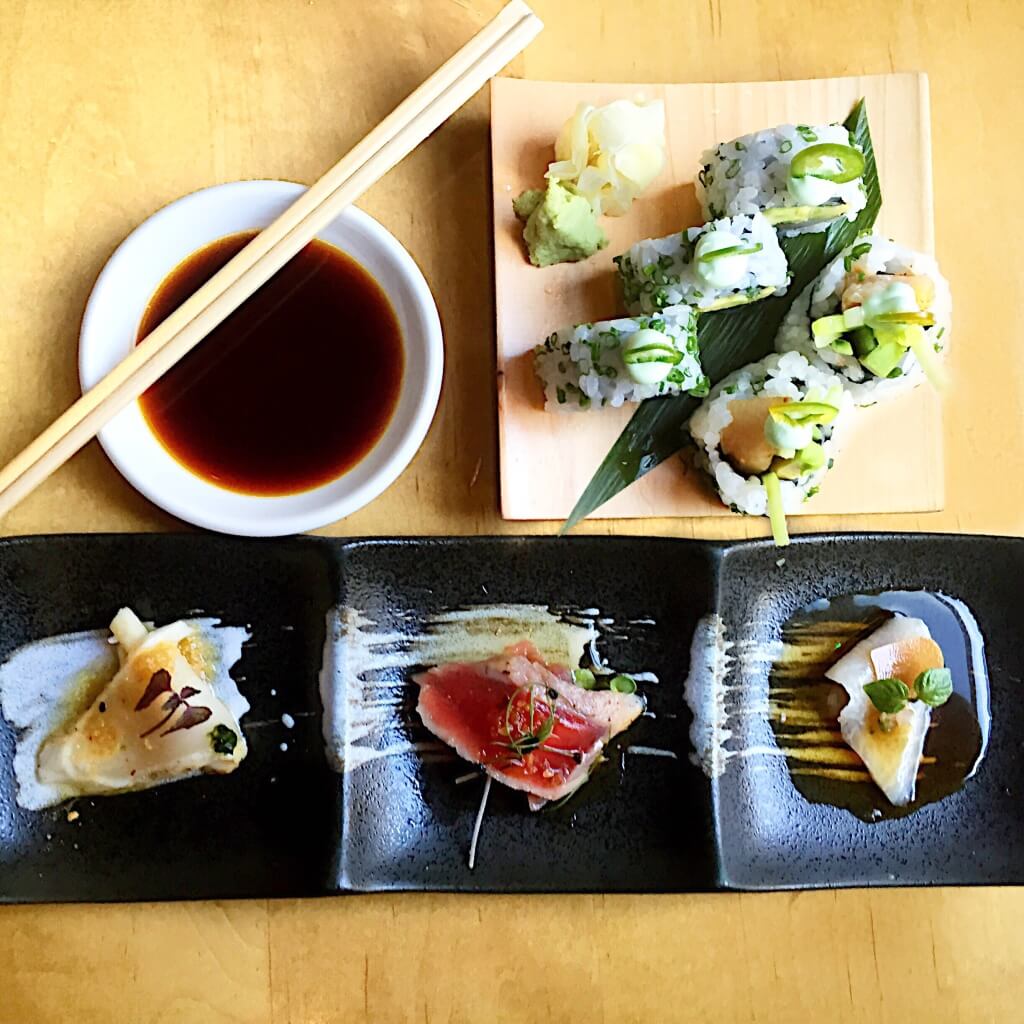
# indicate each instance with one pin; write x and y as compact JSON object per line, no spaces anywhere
{"x":159,"y":719}
{"x":891,"y":756}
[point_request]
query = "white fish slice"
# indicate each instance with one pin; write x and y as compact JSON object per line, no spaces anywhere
{"x":891,"y":757}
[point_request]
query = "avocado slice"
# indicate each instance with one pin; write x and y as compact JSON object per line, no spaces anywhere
{"x":739,"y":299}
{"x":884,"y":358}
{"x":842,"y":346}
{"x":804,"y":461}
{"x":812,"y":457}
{"x":787,"y":469}
{"x":804,"y":214}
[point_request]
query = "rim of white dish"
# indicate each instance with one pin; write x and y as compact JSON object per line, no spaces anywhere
{"x":119,"y":299}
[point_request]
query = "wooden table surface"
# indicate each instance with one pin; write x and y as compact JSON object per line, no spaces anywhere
{"x":111,"y":108}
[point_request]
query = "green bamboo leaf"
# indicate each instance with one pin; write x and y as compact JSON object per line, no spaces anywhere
{"x":729,"y":339}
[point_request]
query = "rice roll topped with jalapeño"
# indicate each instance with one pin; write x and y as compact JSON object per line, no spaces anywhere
{"x":629,"y":359}
{"x":766,"y":434}
{"x":728,"y":262}
{"x":800,"y":177}
{"x":879,"y":315}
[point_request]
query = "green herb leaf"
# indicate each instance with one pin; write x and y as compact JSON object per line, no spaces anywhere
{"x":934,"y":686}
{"x":223,"y":740}
{"x":888,"y":695}
{"x":729,"y":339}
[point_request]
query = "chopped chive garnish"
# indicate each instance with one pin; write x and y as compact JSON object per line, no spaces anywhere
{"x":584,"y":678}
{"x":623,"y":684}
{"x":776,"y":511}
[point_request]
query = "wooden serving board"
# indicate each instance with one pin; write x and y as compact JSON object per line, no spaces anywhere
{"x":547,"y":459}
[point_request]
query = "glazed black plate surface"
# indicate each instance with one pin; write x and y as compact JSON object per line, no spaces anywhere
{"x":285,"y":824}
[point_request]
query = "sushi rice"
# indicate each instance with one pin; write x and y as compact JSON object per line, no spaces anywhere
{"x":870,"y":254}
{"x":661,"y":272}
{"x":582,"y":367}
{"x":787,"y":376}
{"x":752,"y":173}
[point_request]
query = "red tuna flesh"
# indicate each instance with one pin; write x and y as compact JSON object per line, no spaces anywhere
{"x":525,"y":722}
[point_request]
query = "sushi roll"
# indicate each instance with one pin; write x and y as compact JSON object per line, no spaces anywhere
{"x":800,"y":177}
{"x":625,"y":360}
{"x":879,"y":315}
{"x":767,"y":435}
{"x":727,"y":262}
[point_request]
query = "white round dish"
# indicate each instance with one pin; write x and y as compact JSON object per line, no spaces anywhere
{"x":133,"y":274}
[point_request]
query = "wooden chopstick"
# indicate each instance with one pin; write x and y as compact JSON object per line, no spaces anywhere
{"x":398,"y":134}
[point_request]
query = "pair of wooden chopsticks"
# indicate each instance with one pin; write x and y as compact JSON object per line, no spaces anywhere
{"x":395,"y":137}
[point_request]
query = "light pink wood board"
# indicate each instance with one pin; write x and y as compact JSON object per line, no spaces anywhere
{"x":547,"y":459}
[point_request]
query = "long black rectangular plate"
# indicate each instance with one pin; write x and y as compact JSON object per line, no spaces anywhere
{"x":284,"y":824}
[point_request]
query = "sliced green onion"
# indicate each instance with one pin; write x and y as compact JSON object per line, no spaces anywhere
{"x":926,"y":356}
{"x":811,"y":162}
{"x":652,"y":354}
{"x":776,"y":513}
{"x":854,"y":317}
{"x":623,"y":684}
{"x":584,"y":678}
{"x":731,"y":250}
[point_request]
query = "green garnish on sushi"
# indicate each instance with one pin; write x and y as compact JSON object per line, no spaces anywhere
{"x":879,"y":332}
{"x":884,"y":357}
{"x":828,"y":161}
{"x":730,"y":250}
{"x":926,"y":357}
{"x":649,"y":356}
{"x":806,"y":460}
{"x":804,"y":412}
{"x":776,"y":512}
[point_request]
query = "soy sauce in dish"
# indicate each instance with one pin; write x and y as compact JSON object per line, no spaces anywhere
{"x":294,"y":388}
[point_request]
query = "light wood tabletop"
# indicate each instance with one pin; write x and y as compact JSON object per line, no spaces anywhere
{"x":110,"y":109}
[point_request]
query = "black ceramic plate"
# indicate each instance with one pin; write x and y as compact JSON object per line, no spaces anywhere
{"x":285,"y":824}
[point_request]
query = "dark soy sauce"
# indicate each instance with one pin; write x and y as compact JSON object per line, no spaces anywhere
{"x":804,"y":705}
{"x":294,"y":388}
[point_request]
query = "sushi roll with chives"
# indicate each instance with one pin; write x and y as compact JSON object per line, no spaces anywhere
{"x":767,"y":435}
{"x":879,"y":315}
{"x":800,"y":177}
{"x":625,"y":360}
{"x":727,"y":262}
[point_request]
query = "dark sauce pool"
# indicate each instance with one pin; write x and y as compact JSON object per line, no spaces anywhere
{"x":804,"y":705}
{"x":294,"y":388}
